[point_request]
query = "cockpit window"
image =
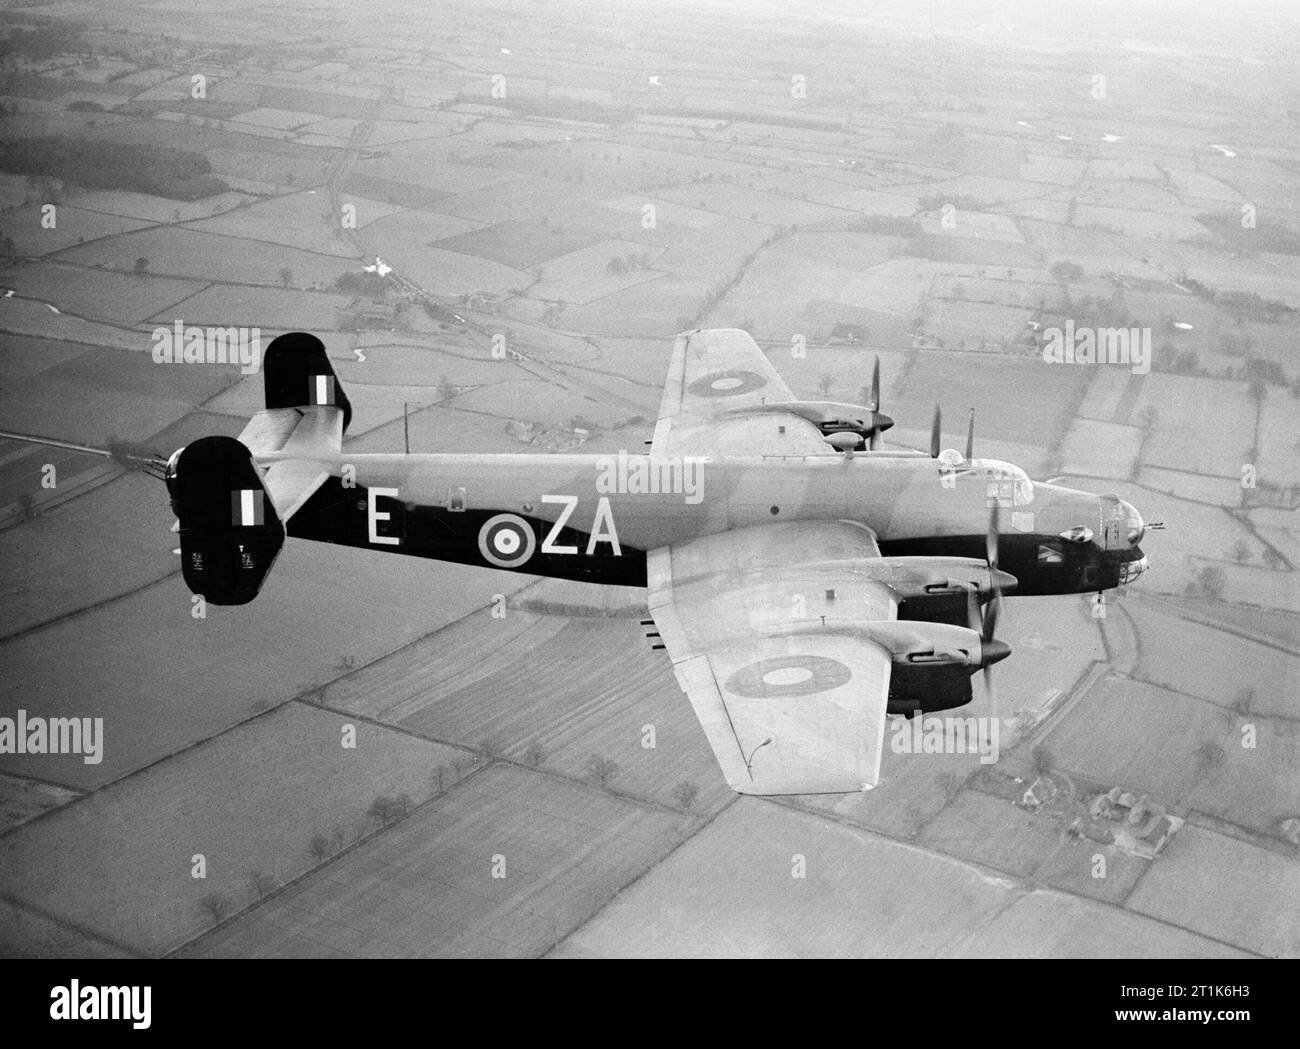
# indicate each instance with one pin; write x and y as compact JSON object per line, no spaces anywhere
{"x":1001,"y":492}
{"x":1024,"y":490}
{"x":1008,"y":485}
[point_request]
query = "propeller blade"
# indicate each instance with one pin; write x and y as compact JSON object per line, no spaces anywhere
{"x":934,"y":433}
{"x":993,"y":700}
{"x":970,"y":437}
{"x":991,"y":614}
{"x":993,"y":650}
{"x":991,"y":540}
{"x":879,"y":423}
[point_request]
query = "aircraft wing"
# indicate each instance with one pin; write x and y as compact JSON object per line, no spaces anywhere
{"x":713,"y":377}
{"x":769,"y":631}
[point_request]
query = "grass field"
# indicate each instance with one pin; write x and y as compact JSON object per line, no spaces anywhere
{"x":555,"y":740}
{"x":176,"y":252}
{"x":1188,"y":882}
{"x":34,"y":591}
{"x":298,"y":220}
{"x":1202,"y":764}
{"x":426,"y":888}
{"x":536,"y":694}
{"x":122,"y":298}
{"x":72,"y":226}
{"x":286,"y":773}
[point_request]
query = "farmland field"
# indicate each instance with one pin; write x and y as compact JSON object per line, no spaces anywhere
{"x":496,"y":219}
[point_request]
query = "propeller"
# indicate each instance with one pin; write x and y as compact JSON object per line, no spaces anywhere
{"x":991,"y":538}
{"x":970,"y":437}
{"x":935,"y":425}
{"x":991,"y":649}
{"x":879,"y":421}
{"x":866,"y":430}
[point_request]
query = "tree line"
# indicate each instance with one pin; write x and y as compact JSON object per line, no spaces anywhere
{"x":178,"y":174}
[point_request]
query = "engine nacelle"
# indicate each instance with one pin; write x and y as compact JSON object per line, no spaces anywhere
{"x":935,"y":578}
{"x":933,"y":664}
{"x":933,"y":645}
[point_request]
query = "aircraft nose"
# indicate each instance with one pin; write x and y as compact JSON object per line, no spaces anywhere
{"x":993,"y":651}
{"x":1136,"y":527}
{"x":1130,"y":570}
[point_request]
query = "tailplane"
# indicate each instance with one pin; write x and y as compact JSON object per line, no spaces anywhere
{"x":232,"y":496}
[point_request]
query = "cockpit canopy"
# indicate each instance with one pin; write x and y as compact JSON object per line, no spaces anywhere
{"x":1007,"y":483}
{"x":1006,"y":480}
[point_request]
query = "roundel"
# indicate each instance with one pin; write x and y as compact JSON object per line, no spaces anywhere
{"x":788,"y":676}
{"x":726,"y":384}
{"x":506,"y":541}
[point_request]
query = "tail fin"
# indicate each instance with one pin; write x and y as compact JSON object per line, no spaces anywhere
{"x":298,"y":374}
{"x":232,"y":497}
{"x":229,"y":529}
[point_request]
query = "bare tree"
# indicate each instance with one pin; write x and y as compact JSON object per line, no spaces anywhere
{"x":216,"y":905}
{"x":1208,"y":757}
{"x":1211,"y":580}
{"x":262,"y":884}
{"x":388,"y":810}
{"x":601,"y":770}
{"x":685,"y":794}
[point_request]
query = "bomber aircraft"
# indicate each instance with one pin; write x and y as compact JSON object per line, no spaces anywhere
{"x":804,"y":582}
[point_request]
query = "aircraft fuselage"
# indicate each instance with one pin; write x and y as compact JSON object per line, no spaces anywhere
{"x":593,"y":517}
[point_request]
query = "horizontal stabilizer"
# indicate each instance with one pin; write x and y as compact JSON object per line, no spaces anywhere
{"x":312,"y":433}
{"x":290,"y":484}
{"x":305,"y":417}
